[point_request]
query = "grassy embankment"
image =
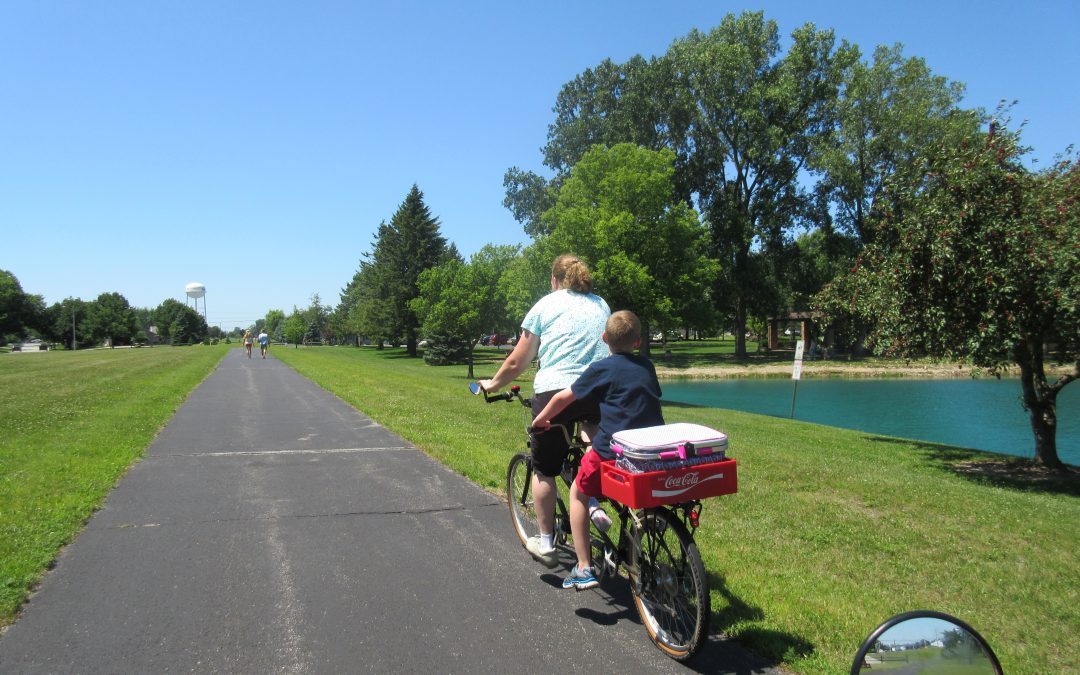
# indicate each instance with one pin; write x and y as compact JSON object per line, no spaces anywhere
{"x":71,"y":423}
{"x":832,"y":531}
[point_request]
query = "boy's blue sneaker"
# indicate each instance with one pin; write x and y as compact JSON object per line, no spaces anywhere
{"x":580,"y":578}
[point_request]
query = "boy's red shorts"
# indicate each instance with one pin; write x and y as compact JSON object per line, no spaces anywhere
{"x":588,"y":477}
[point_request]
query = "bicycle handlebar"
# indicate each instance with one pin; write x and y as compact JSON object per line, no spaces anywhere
{"x":515,"y":392}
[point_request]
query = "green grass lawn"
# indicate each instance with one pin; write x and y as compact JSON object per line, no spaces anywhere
{"x":832,"y":531}
{"x":71,"y":423}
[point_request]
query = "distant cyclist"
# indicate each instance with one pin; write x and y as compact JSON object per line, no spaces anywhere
{"x":565,"y":329}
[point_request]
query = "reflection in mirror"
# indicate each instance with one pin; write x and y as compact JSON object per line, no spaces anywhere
{"x":474,"y":387}
{"x":926,"y":642}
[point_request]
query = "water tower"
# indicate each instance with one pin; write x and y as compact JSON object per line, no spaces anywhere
{"x":195,"y":290}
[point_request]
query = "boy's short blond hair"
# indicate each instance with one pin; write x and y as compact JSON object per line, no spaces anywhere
{"x":623,"y":330}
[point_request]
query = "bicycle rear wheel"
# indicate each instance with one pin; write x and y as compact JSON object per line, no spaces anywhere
{"x":519,"y":496}
{"x":670,"y":589}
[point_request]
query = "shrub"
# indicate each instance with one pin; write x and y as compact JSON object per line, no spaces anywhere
{"x":446,"y":350}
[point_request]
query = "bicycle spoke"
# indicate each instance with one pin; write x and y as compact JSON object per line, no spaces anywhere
{"x":670,"y":591}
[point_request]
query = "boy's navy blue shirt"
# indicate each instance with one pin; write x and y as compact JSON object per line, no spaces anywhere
{"x":628,"y":392}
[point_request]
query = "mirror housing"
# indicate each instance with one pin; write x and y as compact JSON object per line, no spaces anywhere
{"x":933,"y":640}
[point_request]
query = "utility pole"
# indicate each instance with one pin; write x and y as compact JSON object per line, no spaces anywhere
{"x":74,"y":345}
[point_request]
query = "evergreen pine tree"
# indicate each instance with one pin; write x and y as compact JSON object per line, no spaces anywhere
{"x":415,"y":245}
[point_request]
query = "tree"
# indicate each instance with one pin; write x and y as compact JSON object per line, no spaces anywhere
{"x":416,"y":246}
{"x":371,"y":312}
{"x":458,"y":301}
{"x":178,"y":323}
{"x":317,"y":317}
{"x":295,"y":327}
{"x":274,"y":323}
{"x":757,"y":113}
{"x":388,"y":280}
{"x":740,"y":119}
{"x":618,"y":210}
{"x":979,"y":261}
{"x":65,"y":322}
{"x":17,"y":309}
{"x":111,"y":319}
{"x":817,"y":257}
{"x":526,"y":279}
{"x":889,"y":111}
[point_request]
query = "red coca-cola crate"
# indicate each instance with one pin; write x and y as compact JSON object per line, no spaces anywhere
{"x":656,"y":488}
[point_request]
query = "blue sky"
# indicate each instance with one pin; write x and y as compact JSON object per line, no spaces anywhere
{"x":256,"y":146}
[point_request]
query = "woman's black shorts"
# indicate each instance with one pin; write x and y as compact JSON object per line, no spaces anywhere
{"x":549,"y":448}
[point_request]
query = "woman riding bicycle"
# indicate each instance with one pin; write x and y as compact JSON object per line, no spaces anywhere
{"x":565,"y":329}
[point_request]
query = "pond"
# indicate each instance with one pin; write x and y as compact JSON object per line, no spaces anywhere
{"x":983,"y":414}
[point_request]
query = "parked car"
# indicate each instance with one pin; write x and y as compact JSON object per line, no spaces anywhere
{"x":34,"y":345}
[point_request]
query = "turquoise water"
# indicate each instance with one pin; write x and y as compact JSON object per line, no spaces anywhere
{"x":980,"y":414}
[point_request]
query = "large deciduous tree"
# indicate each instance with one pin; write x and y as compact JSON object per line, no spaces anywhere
{"x":274,"y":323}
{"x":740,"y":118}
{"x":458,"y":301}
{"x":978,"y":261}
{"x":18,"y":310}
{"x":178,"y":323}
{"x":111,"y":319}
{"x":65,"y":322}
{"x":295,"y":327}
{"x":888,"y":112}
{"x":619,"y":211}
{"x":756,"y":115}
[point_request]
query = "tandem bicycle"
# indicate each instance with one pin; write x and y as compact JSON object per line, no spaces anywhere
{"x":656,"y":514}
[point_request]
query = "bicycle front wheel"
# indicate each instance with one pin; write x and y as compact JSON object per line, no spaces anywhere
{"x":669,"y":585}
{"x":520,"y":497}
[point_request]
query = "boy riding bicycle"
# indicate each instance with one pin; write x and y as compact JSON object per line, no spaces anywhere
{"x":626,"y":388}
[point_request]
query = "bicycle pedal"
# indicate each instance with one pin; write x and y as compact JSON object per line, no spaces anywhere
{"x":611,"y":565}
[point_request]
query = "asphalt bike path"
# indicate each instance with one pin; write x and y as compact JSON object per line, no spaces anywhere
{"x":272,"y":528}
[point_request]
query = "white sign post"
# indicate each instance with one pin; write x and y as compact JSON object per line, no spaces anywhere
{"x":796,"y":374}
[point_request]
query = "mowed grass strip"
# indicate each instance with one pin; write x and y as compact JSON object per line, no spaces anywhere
{"x":831,"y":532}
{"x":71,"y":423}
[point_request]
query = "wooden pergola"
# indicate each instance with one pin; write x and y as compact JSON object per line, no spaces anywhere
{"x":806,"y":323}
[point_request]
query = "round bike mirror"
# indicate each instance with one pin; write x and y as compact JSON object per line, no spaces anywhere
{"x":926,"y":642}
{"x":474,"y":387}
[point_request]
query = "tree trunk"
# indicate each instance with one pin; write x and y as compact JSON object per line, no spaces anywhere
{"x":740,"y":329}
{"x":646,"y":338}
{"x":1040,"y":400}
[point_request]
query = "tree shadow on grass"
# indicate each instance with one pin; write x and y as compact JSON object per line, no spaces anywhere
{"x":770,"y":646}
{"x":987,"y":468}
{"x":679,"y":404}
